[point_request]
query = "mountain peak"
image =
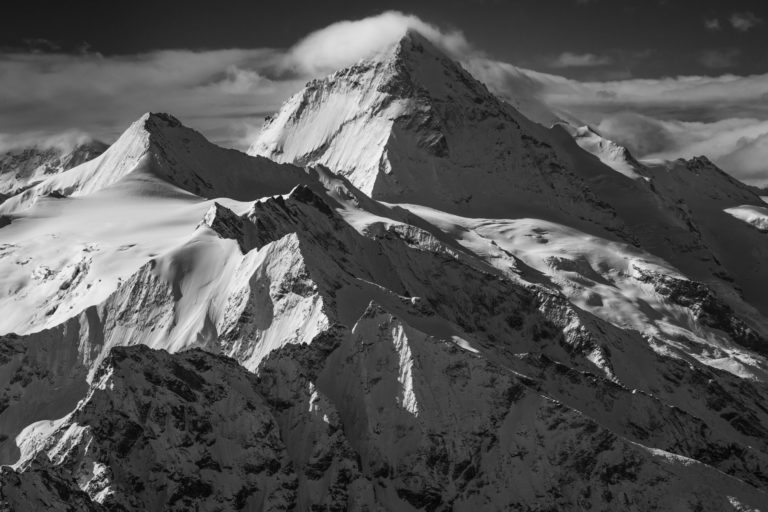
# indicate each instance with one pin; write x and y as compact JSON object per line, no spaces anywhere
{"x":412,"y":125}
{"x":417,"y":67}
{"x":159,"y":120}
{"x":414,"y":42}
{"x":162,"y":156}
{"x":154,"y":124}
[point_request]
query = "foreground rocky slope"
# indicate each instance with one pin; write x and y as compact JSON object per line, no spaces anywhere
{"x":260,"y":336}
{"x":360,"y":421}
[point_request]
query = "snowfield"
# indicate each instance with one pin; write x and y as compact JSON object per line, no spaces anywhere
{"x":756,"y":216}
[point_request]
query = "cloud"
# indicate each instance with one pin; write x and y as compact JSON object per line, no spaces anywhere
{"x":239,"y":81}
{"x":712,"y":24}
{"x":343,"y":43}
{"x":65,"y":140}
{"x":749,"y":159}
{"x":227,"y":93}
{"x":744,"y":21}
{"x":740,"y":146}
{"x":40,"y":45}
{"x":688,"y":96}
{"x":656,"y":138}
{"x":666,"y":118}
{"x":44,"y":93}
{"x":719,"y":59}
{"x":643,"y":135}
{"x":223,"y":93}
{"x":580,"y":60}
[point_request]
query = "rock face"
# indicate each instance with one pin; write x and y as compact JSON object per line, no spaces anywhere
{"x":297,"y":344}
{"x":366,"y":419}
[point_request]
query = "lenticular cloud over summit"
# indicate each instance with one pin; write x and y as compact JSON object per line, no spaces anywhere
{"x":345,"y":42}
{"x":425,"y":286}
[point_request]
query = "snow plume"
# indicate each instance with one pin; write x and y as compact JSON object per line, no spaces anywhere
{"x":343,"y":43}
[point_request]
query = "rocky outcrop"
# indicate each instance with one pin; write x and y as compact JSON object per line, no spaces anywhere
{"x":382,"y":416}
{"x":705,"y":306}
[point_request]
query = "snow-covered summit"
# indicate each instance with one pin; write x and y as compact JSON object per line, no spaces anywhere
{"x":411,"y":125}
{"x":159,"y":155}
{"x":21,"y":168}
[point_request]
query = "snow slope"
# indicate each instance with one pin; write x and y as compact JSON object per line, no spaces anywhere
{"x":611,"y":154}
{"x":756,"y":216}
{"x":294,"y":274}
{"x":118,"y":212}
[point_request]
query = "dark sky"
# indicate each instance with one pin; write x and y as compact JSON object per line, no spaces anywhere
{"x":637,"y":38}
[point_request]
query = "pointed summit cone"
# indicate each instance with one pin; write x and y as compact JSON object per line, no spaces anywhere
{"x":158,"y":155}
{"x":410,"y":125}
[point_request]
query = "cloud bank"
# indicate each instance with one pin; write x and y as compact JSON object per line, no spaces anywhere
{"x":49,"y":93}
{"x":723,"y":117}
{"x":227,"y":93}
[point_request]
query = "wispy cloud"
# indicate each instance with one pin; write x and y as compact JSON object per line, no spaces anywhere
{"x":40,"y":45}
{"x":712,"y":24}
{"x":720,"y":59}
{"x":49,"y":93}
{"x":749,"y":156}
{"x":580,"y":60}
{"x":689,"y":96}
{"x":745,"y":21}
{"x":65,"y":140}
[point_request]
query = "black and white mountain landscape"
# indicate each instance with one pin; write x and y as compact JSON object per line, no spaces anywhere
{"x":411,"y":293}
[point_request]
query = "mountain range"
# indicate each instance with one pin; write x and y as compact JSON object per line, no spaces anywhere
{"x":407,"y":296}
